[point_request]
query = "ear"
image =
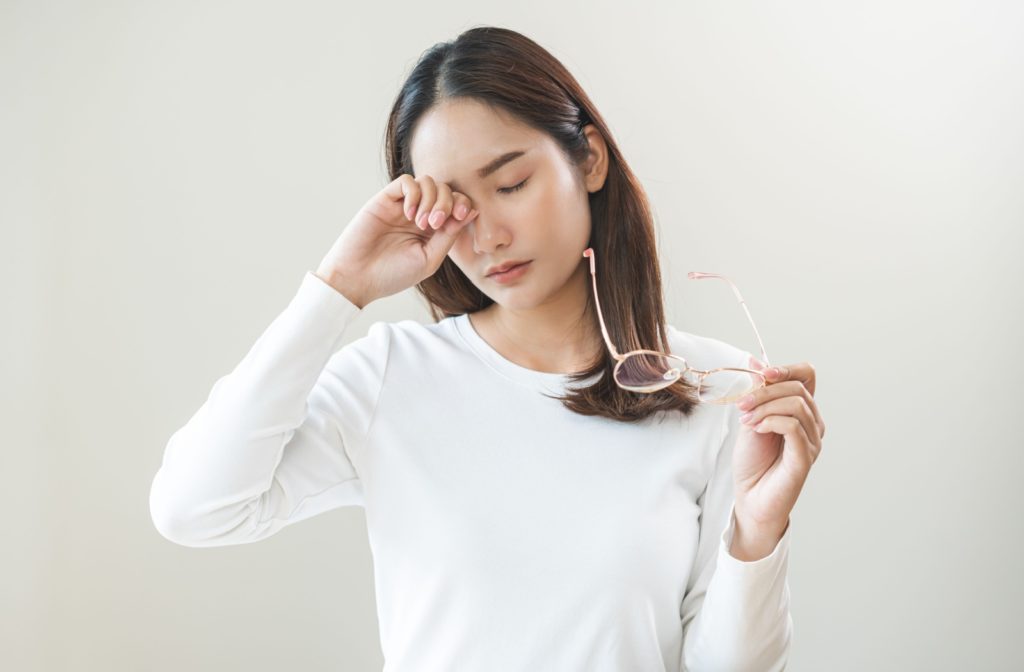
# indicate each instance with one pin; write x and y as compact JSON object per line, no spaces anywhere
{"x":595,"y":168}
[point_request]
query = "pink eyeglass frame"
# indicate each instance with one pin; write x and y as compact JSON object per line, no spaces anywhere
{"x":678,"y":372}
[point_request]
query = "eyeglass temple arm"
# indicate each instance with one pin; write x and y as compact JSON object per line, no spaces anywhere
{"x":698,"y":275}
{"x":589,"y":252}
{"x":692,"y":275}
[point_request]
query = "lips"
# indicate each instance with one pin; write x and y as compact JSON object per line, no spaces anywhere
{"x":512,"y":275}
{"x":505,"y":267}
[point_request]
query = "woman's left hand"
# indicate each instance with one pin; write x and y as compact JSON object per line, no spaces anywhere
{"x":779,"y":441}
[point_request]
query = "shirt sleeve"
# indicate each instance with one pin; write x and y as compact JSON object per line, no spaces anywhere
{"x":273,"y":443}
{"x":735,"y":614}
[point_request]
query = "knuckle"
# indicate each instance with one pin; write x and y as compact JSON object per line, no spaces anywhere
{"x":426,"y":195}
{"x":804,"y":407}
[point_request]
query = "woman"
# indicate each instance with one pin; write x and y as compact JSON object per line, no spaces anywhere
{"x":526,"y":511}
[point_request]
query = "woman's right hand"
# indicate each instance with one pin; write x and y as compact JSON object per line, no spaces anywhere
{"x":387,"y":247}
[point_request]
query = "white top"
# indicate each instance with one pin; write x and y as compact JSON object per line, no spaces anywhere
{"x":507,"y":532}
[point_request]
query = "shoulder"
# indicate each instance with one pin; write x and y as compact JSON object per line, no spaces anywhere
{"x":410,"y":334}
{"x":406,"y":338}
{"x":390,"y":345}
{"x":705,"y":352}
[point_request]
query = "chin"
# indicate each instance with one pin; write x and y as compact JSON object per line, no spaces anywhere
{"x":520,"y":298}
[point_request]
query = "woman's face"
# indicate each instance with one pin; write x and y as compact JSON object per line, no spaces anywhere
{"x":533,"y":208}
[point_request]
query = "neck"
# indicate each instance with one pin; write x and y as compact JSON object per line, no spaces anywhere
{"x":558,"y":336}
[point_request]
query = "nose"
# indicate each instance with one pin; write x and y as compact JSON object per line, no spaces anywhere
{"x":488,"y":235}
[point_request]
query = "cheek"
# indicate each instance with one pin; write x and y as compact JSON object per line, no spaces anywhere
{"x":565,"y":204}
{"x":461,"y":252}
{"x":567,"y":223}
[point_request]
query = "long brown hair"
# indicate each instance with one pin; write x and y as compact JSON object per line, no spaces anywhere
{"x":506,"y":70}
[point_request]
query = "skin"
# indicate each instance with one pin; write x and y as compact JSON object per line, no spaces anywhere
{"x":539,"y":321}
{"x":779,"y":441}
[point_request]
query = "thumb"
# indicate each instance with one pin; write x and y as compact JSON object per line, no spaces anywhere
{"x":443,"y":239}
{"x":755,"y":364}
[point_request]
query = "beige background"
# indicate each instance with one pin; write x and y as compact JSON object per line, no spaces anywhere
{"x":170,"y":171}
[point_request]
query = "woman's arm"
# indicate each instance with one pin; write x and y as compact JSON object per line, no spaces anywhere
{"x":735,"y":614}
{"x":273,"y":442}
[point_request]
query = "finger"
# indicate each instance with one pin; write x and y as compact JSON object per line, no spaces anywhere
{"x":787,"y":388}
{"x":404,"y":188}
{"x":794,"y":406}
{"x":429,"y":191}
{"x":756,"y":364}
{"x":462,"y":205}
{"x":442,"y":206}
{"x":803,"y":372}
{"x":801,"y":448}
{"x":413,"y":194}
{"x":442,"y":240}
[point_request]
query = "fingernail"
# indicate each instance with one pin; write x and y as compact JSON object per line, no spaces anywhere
{"x":746,"y":402}
{"x":746,"y":416}
{"x":773,"y":372}
{"x":419,"y":220}
{"x":461,"y":210}
{"x":436,"y":218}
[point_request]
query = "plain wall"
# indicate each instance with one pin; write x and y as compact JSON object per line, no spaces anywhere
{"x":171,"y":170}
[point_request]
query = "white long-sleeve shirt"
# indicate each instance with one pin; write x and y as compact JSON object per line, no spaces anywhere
{"x":507,"y":532}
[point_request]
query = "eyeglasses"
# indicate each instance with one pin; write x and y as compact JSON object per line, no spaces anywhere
{"x":650,"y":370}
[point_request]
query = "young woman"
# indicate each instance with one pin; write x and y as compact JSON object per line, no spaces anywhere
{"x":530,"y":505}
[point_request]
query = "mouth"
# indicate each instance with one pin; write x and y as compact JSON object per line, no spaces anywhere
{"x":511,"y":273}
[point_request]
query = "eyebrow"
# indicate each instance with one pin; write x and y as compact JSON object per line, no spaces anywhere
{"x":493,"y":166}
{"x":499,"y":162}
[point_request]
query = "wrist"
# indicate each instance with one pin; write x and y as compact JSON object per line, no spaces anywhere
{"x":343,"y":286}
{"x":752,"y":541}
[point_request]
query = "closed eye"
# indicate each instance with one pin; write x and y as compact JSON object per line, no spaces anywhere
{"x":509,"y":190}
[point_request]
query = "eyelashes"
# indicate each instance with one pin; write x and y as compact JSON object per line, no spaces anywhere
{"x":509,"y":190}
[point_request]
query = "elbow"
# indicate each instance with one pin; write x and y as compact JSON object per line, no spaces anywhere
{"x":202,"y":525}
{"x":171,"y":530}
{"x":167,"y":518}
{"x":174,"y":519}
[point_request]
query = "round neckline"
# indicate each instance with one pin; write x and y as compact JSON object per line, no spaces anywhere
{"x":558,"y":382}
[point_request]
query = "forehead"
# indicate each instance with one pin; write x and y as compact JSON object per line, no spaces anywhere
{"x":457,"y":137}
